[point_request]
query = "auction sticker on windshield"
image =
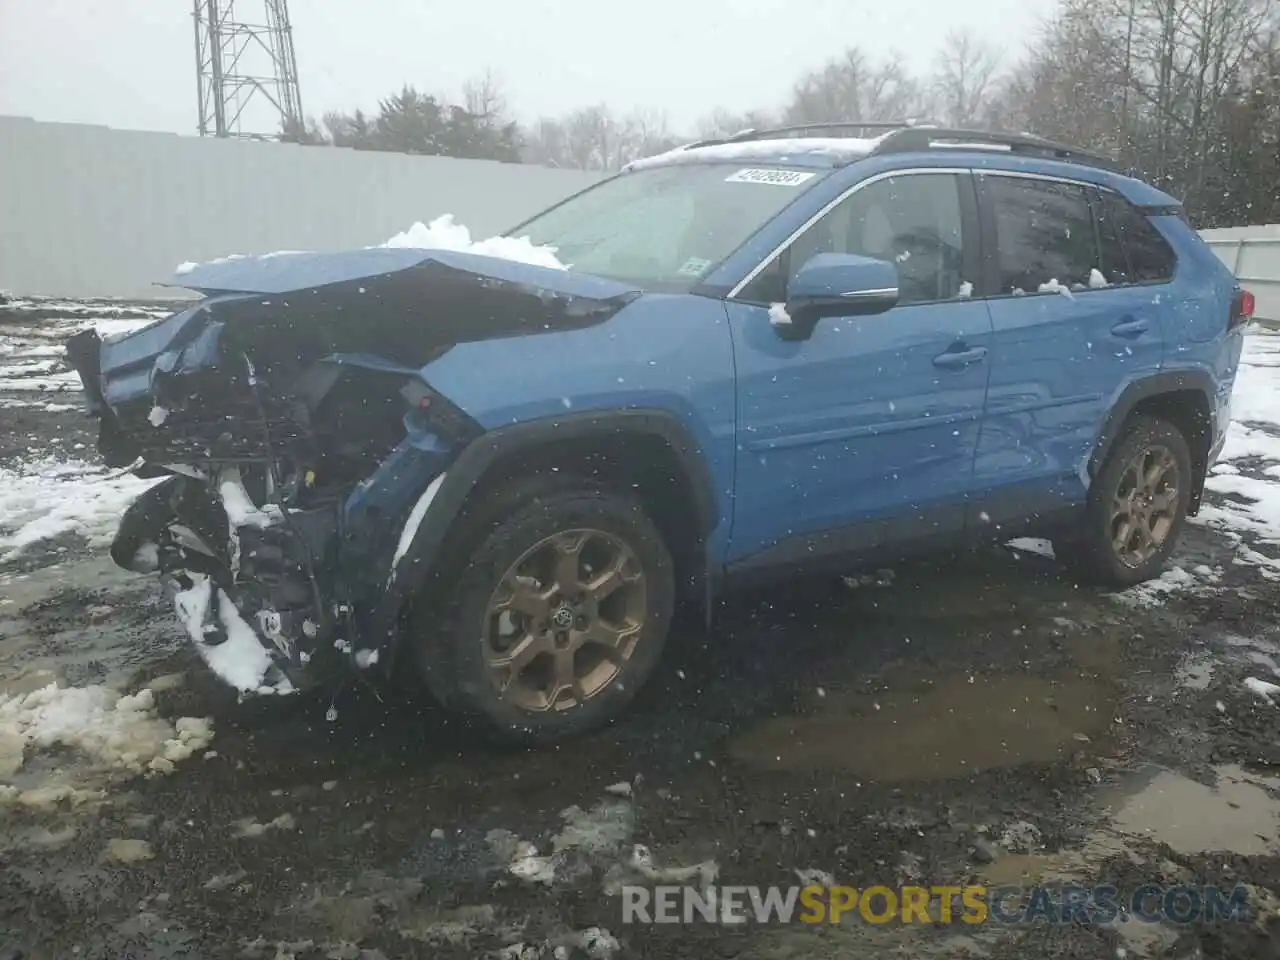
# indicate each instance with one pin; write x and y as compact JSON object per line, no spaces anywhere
{"x":780,"y":178}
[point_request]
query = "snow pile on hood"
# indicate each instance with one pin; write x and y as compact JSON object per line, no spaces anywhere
{"x":48,"y":497}
{"x":443,"y":233}
{"x":115,"y":732}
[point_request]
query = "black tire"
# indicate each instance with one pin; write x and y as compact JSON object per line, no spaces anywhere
{"x":496,"y":529}
{"x":1092,"y":557}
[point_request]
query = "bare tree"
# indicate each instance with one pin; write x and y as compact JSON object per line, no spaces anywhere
{"x":645,"y":133}
{"x":483,"y":98}
{"x":851,"y":88}
{"x":723,"y":123}
{"x":546,"y":142}
{"x":965,"y":77}
{"x":594,"y":140}
{"x":1163,"y":85}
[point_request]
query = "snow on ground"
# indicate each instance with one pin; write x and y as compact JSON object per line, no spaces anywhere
{"x":46,"y":498}
{"x":115,"y":733}
{"x":32,"y":332}
{"x":1174,"y":580}
{"x":11,"y":403}
{"x":63,"y":382}
{"x":1245,"y":481}
{"x":1263,"y":689}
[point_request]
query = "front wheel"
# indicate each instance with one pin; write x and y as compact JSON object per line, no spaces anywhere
{"x":558,"y":617}
{"x":1136,"y":508}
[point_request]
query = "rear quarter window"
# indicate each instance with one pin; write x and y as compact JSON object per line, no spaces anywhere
{"x":1147,"y":254}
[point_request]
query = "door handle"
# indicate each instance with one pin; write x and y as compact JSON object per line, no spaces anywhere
{"x":1131,"y":328}
{"x":960,"y":358}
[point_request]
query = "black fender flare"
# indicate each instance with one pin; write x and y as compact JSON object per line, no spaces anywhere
{"x":471,"y":465}
{"x":1169,"y":381}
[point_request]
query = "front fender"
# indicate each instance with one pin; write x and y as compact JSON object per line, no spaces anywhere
{"x":660,"y":355}
{"x":428,"y":523}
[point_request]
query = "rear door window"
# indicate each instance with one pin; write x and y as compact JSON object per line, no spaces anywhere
{"x":1045,"y":238}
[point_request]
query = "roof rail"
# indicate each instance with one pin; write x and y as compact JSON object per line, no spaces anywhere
{"x":843,"y":127}
{"x":913,"y":139}
{"x":911,"y":136}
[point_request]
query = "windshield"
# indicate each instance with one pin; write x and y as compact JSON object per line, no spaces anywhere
{"x":666,"y":227}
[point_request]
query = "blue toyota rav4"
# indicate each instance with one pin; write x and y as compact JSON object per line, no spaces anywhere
{"x":768,"y":353}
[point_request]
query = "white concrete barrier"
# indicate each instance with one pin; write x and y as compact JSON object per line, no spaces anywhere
{"x":1253,"y":254}
{"x":93,"y":212}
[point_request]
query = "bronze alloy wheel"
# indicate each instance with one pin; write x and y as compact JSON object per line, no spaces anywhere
{"x":564,"y":620}
{"x":1145,"y":505}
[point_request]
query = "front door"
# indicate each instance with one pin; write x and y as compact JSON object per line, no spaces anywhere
{"x":864,"y":434}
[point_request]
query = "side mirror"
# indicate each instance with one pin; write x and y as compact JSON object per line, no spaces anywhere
{"x":836,"y":285}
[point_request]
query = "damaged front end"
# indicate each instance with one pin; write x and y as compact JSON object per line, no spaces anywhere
{"x":299,"y":441}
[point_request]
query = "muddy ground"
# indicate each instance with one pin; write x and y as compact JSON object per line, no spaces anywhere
{"x":981,"y":719}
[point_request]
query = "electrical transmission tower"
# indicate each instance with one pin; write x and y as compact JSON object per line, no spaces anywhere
{"x":246,"y":72}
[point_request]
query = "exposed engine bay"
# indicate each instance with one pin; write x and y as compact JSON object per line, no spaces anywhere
{"x":296,"y":434}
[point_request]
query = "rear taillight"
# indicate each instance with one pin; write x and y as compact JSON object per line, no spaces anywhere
{"x":1241,"y":309}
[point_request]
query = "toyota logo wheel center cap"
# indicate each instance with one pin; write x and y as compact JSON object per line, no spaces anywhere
{"x":563,"y":616}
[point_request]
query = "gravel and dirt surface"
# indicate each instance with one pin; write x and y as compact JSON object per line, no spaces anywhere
{"x":974,"y":720}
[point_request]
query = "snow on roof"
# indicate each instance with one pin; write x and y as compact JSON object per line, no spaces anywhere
{"x":778,"y":150}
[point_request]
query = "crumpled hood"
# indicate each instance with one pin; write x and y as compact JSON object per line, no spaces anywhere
{"x":279,"y":273}
{"x":285,"y":311}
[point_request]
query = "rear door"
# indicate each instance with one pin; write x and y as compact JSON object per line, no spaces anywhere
{"x":866,"y":432}
{"x":1071,"y":326}
{"x":1137,"y":267}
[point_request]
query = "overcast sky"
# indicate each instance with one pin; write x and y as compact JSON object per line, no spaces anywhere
{"x":131,"y":63}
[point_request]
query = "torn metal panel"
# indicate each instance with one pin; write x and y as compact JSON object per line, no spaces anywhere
{"x":290,"y":405}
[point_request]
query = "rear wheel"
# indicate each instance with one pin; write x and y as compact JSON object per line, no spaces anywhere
{"x":559,"y":615}
{"x":1137,"y":506}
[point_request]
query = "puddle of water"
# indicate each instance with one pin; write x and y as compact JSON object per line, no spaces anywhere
{"x":1065,"y":865}
{"x":1195,"y":672}
{"x":960,"y":725}
{"x":1236,"y":814}
{"x":1096,"y":652}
